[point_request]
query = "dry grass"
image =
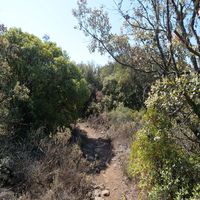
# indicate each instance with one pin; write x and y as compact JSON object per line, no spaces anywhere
{"x":120,"y":129}
{"x":47,"y":169}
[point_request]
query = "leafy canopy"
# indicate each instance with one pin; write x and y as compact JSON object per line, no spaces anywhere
{"x":45,"y":89}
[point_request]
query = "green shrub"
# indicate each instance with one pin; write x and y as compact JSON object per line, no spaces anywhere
{"x":162,"y":167}
{"x":165,"y":153}
{"x":178,"y":99}
{"x":45,"y":89}
{"x":120,"y":115}
{"x":124,"y":85}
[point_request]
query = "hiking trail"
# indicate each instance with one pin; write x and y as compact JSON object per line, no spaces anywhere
{"x":107,"y":175}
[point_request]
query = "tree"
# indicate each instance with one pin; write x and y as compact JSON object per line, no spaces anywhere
{"x":44,"y":88}
{"x":6,"y":82}
{"x":124,"y":85}
{"x":92,"y":75}
{"x":163,"y":32}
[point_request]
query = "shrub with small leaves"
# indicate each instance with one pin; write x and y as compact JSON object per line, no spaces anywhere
{"x":42,"y":87}
{"x":163,"y":167}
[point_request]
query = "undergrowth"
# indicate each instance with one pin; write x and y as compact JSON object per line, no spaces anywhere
{"x":163,"y":169}
{"x":50,"y":168}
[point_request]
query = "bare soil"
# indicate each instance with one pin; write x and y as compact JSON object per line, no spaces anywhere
{"x":107,"y":158}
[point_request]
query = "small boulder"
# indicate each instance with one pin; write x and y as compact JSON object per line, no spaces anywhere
{"x":97,"y":193}
{"x":105,"y":193}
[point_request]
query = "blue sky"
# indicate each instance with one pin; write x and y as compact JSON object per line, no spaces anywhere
{"x":54,"y":18}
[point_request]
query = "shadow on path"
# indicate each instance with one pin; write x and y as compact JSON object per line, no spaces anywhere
{"x":98,"y":151}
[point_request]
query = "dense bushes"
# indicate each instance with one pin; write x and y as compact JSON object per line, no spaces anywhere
{"x":165,"y":153}
{"x":179,"y":100}
{"x":120,"y":115}
{"x":47,"y":169}
{"x":163,"y":167}
{"x":112,"y":85}
{"x":124,"y":85}
{"x":44,"y":88}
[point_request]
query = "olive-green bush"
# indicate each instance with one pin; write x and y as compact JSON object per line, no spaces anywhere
{"x":44,"y":88}
{"x":163,"y":168}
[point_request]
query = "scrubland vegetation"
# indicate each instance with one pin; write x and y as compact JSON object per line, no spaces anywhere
{"x":149,"y":93}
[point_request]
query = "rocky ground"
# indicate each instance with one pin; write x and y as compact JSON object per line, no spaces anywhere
{"x":107,"y":157}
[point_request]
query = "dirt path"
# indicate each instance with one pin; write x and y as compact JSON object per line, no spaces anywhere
{"x":110,"y":179}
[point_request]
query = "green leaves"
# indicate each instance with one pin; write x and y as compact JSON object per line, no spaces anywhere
{"x":169,"y":93}
{"x":165,"y":170}
{"x":46,"y":88}
{"x":21,"y":92}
